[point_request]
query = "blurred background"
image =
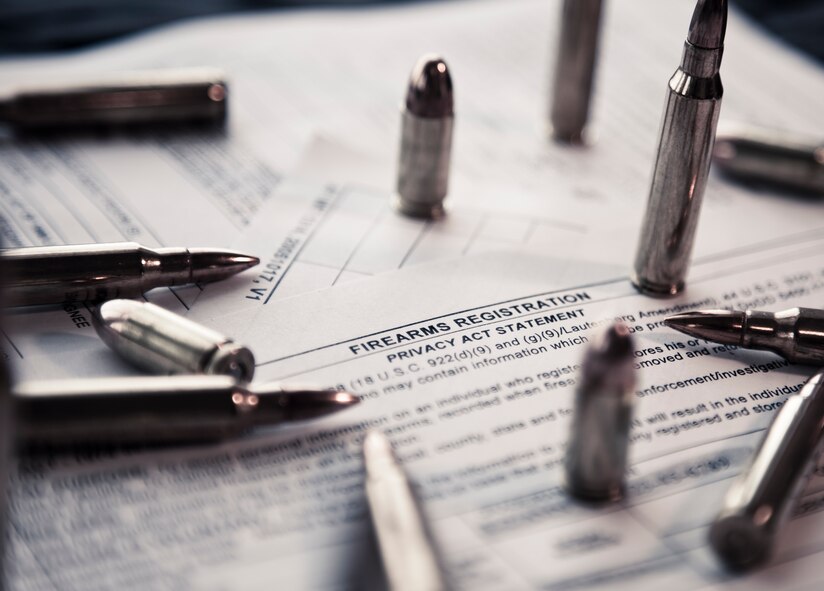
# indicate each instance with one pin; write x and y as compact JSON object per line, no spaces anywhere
{"x":30,"y":26}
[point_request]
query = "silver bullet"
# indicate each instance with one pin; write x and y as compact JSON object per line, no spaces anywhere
{"x":163,"y":342}
{"x":168,"y":409}
{"x":684,"y":155}
{"x":596,"y":458}
{"x":161,"y":96}
{"x":796,"y":334}
{"x":770,"y":157}
{"x":426,"y":140}
{"x":96,"y":272}
{"x":410,"y":558}
{"x":761,"y":499}
{"x":6,"y":439}
{"x":575,"y":69}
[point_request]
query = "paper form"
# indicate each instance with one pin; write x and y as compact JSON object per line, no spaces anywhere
{"x":308,"y":235}
{"x":469,"y":367}
{"x":287,"y":507}
{"x":158,"y":189}
{"x":354,"y":232}
{"x":138,"y":187}
{"x":344,"y":73}
{"x":281,"y":67}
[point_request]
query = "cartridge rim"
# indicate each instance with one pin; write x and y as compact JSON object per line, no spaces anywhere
{"x":657,"y":290}
{"x":429,"y":211}
{"x":591,"y":495}
{"x":740,"y":542}
{"x":232,"y":360}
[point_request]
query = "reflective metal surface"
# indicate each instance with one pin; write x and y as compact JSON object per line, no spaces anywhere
{"x":770,"y":157}
{"x":95,"y":272}
{"x":6,"y":440}
{"x":760,"y":500}
{"x":708,"y":25}
{"x":163,"y":342}
{"x":409,"y":556}
{"x":796,"y":334}
{"x":162,"y":409}
{"x":574,"y":69}
{"x":596,"y":459}
{"x":426,"y":140}
{"x":684,"y":155}
{"x":185,"y":95}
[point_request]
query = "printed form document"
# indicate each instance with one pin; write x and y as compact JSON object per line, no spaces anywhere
{"x":296,"y":76}
{"x":470,"y":365}
{"x":470,"y":368}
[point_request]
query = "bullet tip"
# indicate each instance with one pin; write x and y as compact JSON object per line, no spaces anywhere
{"x":376,"y":442}
{"x":430,"y":88}
{"x":709,"y":24}
{"x":113,"y":311}
{"x":615,"y":342}
{"x":608,"y":366}
{"x":674,"y":322}
{"x":302,"y":403}
{"x":343,"y":398}
{"x":110,"y":319}
{"x":209,"y":264}
{"x":723,"y":326}
{"x":377,"y":453}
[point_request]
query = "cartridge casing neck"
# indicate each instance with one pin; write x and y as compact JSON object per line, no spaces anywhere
{"x":700,"y":62}
{"x":166,"y":266}
{"x":797,"y":334}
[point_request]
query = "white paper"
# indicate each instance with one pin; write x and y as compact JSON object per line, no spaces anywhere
{"x":354,"y":232}
{"x":342,"y":74}
{"x":186,"y":189}
{"x":285,"y":508}
{"x":479,"y":410}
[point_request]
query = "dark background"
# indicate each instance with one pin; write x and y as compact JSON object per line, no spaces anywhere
{"x":28,"y":26}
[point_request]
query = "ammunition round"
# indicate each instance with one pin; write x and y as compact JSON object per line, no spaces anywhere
{"x":426,"y":140}
{"x":597,"y":453}
{"x":162,"y":342}
{"x":684,"y":155}
{"x":762,"y":497}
